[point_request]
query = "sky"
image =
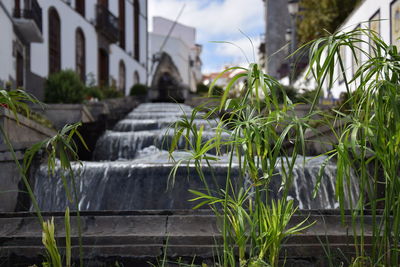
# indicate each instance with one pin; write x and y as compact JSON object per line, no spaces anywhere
{"x":218,"y":20}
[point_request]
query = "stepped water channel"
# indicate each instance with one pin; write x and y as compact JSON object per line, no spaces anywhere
{"x":131,"y":168}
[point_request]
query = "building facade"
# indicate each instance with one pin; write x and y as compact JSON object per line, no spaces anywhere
{"x":179,"y":42}
{"x":383,"y":17}
{"x":105,"y":42}
{"x":277,"y":21}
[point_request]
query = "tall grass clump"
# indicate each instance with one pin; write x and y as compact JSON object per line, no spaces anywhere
{"x":60,"y":151}
{"x":259,"y":129}
{"x":369,"y":143}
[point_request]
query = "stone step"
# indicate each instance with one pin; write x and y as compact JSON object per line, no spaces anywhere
{"x":131,"y":235}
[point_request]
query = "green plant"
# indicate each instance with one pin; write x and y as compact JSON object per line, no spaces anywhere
{"x":64,"y":87}
{"x":322,"y":16}
{"x":216,"y":90}
{"x":202,"y":88}
{"x":61,"y":151}
{"x":368,"y":143}
{"x":93,"y":92}
{"x":309,"y":96}
{"x":138,"y":90}
{"x":250,"y":219}
{"x":49,"y":242}
{"x":290,"y":92}
{"x":111,"y":92}
{"x":61,"y":146}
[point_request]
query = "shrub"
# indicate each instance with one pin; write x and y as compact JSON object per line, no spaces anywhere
{"x":217,"y":91}
{"x":64,"y":87}
{"x":111,"y":92}
{"x":290,"y":92}
{"x":201,"y":88}
{"x":93,"y":92}
{"x":138,"y":90}
{"x":309,"y":96}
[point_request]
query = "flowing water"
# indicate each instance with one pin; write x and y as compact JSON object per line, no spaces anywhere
{"x":132,"y":169}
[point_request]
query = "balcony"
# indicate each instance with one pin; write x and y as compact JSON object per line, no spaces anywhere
{"x":28,"y":21}
{"x":107,"y":23}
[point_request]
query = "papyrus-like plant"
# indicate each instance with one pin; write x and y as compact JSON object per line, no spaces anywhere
{"x":368,"y":144}
{"x":259,"y":130}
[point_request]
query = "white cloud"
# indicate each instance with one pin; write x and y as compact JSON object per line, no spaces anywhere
{"x":218,"y":20}
{"x":213,"y":19}
{"x":241,"y":49}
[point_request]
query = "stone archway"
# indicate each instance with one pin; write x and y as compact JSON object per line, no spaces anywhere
{"x":167,"y":85}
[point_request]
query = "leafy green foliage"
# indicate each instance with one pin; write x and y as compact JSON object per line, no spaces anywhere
{"x":286,"y":92}
{"x":61,"y":151}
{"x":60,"y":148}
{"x":93,"y":92}
{"x":112,"y":92}
{"x":309,"y":96}
{"x":217,"y":91}
{"x":49,"y":242}
{"x":64,"y":87}
{"x":202,"y":88}
{"x":320,"y":17}
{"x":48,"y":239}
{"x":252,"y":222}
{"x":139,"y":90}
{"x":16,"y":100}
{"x":369,"y":138}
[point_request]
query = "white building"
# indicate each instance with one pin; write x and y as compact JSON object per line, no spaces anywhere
{"x":106,"y":40}
{"x":179,"y":42}
{"x":382,"y":16}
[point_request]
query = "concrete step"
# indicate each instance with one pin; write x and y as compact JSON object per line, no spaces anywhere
{"x":135,"y":235}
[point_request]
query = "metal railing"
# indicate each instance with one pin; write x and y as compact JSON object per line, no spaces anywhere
{"x":107,"y":23}
{"x":31,"y":10}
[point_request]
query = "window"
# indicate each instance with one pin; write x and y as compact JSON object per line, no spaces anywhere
{"x":136,"y":78}
{"x":80,"y":7}
{"x":121,"y":23}
{"x":103,"y":3}
{"x":20,"y":70}
{"x":121,"y":80}
{"x":103,"y":68}
{"x":342,"y":73}
{"x":80,"y":63}
{"x":136,"y":27}
{"x":356,"y":55}
{"x":374,"y":25}
{"x":54,"y":41}
{"x":17,"y":8}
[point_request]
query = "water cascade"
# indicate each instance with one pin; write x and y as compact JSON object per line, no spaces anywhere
{"x":131,"y":169}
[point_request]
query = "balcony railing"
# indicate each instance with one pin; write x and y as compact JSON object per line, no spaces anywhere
{"x":107,"y":23}
{"x":31,"y":11}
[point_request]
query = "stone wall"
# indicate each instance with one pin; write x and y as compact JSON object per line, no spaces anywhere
{"x":22,"y":133}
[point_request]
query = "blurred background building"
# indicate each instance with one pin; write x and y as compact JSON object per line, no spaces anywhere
{"x":105,"y":42}
{"x":178,"y":41}
{"x":381,"y":16}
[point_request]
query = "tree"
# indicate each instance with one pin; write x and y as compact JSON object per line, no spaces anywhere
{"x":318,"y":17}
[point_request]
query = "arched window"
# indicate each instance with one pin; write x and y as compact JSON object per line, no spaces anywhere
{"x":80,"y":7}
{"x":121,"y":22}
{"x":103,"y":68}
{"x":136,"y":78}
{"x":103,"y":3}
{"x":54,"y":41}
{"x":136,"y":27}
{"x":80,"y":62}
{"x":122,"y":73}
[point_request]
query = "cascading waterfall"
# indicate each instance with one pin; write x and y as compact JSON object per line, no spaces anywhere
{"x":132,"y":169}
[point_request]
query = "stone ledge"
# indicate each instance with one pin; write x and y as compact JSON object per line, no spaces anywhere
{"x":23,"y":121}
{"x":145,"y":234}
